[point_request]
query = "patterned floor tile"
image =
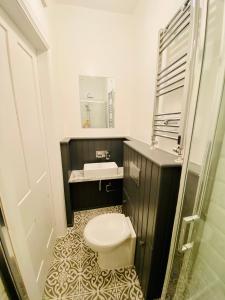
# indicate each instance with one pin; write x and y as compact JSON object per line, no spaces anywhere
{"x":125,"y":275}
{"x":129,"y":292}
{"x":68,"y":246}
{"x":75,"y":273}
{"x":62,"y":279}
{"x":110,"y":294}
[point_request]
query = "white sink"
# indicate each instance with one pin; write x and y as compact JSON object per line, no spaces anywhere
{"x":100,"y":169}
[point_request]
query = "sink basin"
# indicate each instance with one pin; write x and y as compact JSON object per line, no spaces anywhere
{"x":100,"y":169}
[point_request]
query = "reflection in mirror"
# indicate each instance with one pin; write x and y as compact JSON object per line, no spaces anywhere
{"x":97,"y":101}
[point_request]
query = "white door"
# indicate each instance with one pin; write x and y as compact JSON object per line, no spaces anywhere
{"x":24,"y":175}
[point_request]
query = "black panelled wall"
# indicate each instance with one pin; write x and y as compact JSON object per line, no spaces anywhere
{"x":151,"y":207}
{"x":86,"y":195}
{"x":66,"y":170}
{"x":84,"y":151}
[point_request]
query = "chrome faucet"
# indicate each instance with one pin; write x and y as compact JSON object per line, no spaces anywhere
{"x":103,"y":154}
{"x":107,"y":155}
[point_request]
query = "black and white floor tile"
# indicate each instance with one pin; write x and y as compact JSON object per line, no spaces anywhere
{"x":75,"y":274}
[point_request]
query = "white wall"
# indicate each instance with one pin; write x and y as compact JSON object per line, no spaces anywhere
{"x":40,"y":15}
{"x":90,"y":42}
{"x":54,"y":156}
{"x":149,"y":17}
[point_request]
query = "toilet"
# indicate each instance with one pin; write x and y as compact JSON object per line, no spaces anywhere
{"x":112,"y":236}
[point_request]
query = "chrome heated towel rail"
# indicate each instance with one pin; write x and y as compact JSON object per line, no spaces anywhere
{"x":173,"y":80}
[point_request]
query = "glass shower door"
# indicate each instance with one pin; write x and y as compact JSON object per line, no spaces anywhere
{"x":196,"y":268}
{"x":202,"y":274}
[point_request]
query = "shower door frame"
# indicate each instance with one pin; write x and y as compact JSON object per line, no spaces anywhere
{"x":220,"y":94}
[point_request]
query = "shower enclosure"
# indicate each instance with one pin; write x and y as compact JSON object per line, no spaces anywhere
{"x":196,"y":268}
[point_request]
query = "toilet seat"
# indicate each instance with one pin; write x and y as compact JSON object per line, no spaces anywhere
{"x":106,"y":231}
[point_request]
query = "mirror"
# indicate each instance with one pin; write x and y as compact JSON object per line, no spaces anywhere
{"x":97,"y":101}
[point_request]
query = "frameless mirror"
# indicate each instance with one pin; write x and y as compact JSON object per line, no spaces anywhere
{"x":97,"y":101}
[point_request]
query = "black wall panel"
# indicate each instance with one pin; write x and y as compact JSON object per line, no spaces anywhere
{"x":84,"y":151}
{"x":75,"y":153}
{"x":86,"y":195}
{"x":66,"y":170}
{"x":151,"y":208}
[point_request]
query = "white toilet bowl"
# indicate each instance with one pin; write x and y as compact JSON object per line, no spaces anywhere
{"x":112,"y":236}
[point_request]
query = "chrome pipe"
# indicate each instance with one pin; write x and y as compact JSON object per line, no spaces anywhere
{"x":171,"y":71}
{"x":182,"y":9}
{"x":164,"y":93}
{"x":168,"y":85}
{"x":175,"y":36}
{"x":165,"y":114}
{"x":168,"y":131}
{"x":182,"y":21}
{"x":167,"y":137}
{"x":163,"y":125}
{"x":166,"y":80}
{"x":173,"y":63}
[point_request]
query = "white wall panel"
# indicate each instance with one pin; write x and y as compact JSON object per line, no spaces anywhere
{"x":27,"y":108}
{"x":9,"y":128}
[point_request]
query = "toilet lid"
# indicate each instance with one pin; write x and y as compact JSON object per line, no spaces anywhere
{"x":107,"y":230}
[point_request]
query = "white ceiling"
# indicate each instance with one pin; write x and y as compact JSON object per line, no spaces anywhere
{"x":118,"y":6}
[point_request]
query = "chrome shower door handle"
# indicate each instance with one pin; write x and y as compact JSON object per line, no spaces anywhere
{"x":190,"y":220}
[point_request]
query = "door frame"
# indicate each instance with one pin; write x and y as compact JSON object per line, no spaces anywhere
{"x":26,"y":20}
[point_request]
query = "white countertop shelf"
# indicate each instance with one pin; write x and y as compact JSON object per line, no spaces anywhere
{"x":78,"y":176}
